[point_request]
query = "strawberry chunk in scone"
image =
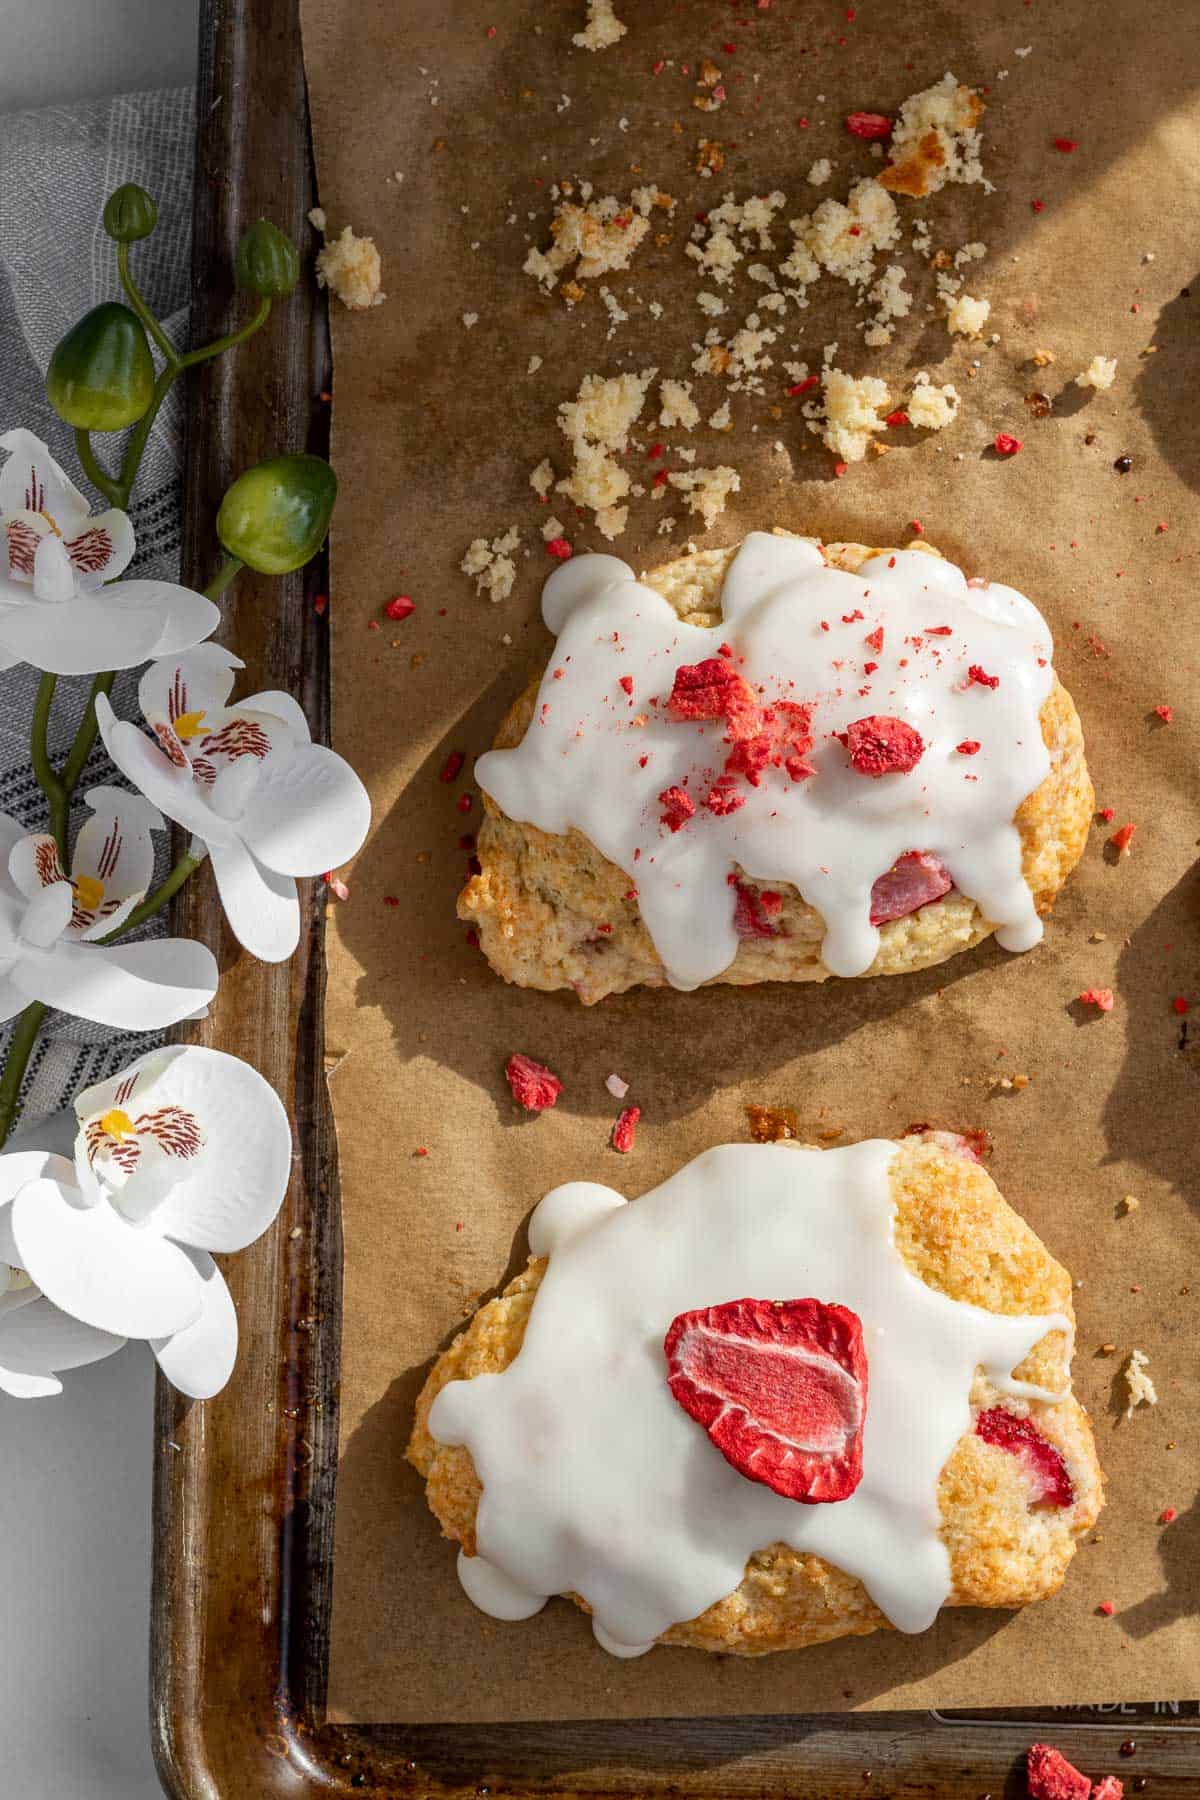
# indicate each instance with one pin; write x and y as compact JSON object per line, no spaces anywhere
{"x":780,"y":1386}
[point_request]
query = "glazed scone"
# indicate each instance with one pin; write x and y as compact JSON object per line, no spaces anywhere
{"x":553,"y":911}
{"x":1008,"y":1534}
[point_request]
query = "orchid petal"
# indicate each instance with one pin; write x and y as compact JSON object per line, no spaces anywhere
{"x":12,"y":1000}
{"x":34,"y":863}
{"x":199,"y":1359}
{"x":91,"y":1263}
{"x":30,"y":466}
{"x":184,"y":617}
{"x":80,"y":635}
{"x":86,"y":546}
{"x":45,"y":918}
{"x":200,"y":681}
{"x":39,"y":1340}
{"x":11,"y":833}
{"x":167,"y":787}
{"x":53,"y":575}
{"x":262,"y":908}
{"x":133,"y":987}
{"x":308,"y":812}
{"x":113,"y":863}
{"x":282,"y":706}
{"x":231,"y":1193}
{"x":20,"y":1166}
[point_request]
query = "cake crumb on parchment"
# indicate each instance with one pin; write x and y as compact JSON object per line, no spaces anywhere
{"x":601,"y":29}
{"x":349,"y":266}
{"x":492,"y":565}
{"x":1139,"y":1386}
{"x":1100,"y":373}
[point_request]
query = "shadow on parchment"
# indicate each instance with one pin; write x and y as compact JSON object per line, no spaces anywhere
{"x":1164,"y":375}
{"x":1159,"y":1082}
{"x":1178,"y":1550}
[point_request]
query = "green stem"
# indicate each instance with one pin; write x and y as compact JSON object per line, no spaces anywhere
{"x":221,"y":344}
{"x":85,"y":737}
{"x":156,"y":900}
{"x":99,"y":476}
{"x":134,"y":296}
{"x":43,"y":768}
{"x":15,"y":1064}
{"x":141,"y":431}
{"x":224,"y":575}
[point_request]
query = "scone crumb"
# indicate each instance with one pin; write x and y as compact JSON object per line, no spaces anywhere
{"x":932,"y":407}
{"x":1129,"y":1203}
{"x":592,"y":239}
{"x":706,"y":490}
{"x":542,"y":478}
{"x":772,"y":1124}
{"x":934,"y":141}
{"x":1044,"y":358}
{"x":491,"y":565}
{"x":967,"y":316}
{"x":601,"y":29}
{"x":1100,"y":373}
{"x":676,"y":406}
{"x":852,"y":409}
{"x":597,"y":423}
{"x":350,"y":267}
{"x":1140,"y":1387}
{"x":820,"y":172}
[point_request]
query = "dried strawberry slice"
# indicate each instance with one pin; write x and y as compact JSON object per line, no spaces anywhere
{"x":1049,"y":1776}
{"x":751,"y":911}
{"x":713,"y":690}
{"x":911,"y":883}
{"x":881,"y":745}
{"x":1047,"y":1472}
{"x":780,"y":1386}
{"x":868,"y":125}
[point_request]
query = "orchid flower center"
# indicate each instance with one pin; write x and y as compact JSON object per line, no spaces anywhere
{"x":51,"y":521}
{"x":189,"y":725}
{"x":116,"y":1124}
{"x":89,"y":893}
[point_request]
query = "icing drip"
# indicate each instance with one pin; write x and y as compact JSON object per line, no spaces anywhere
{"x":596,"y":1482}
{"x":598,"y":754}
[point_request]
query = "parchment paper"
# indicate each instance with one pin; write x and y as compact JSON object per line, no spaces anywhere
{"x":436,"y":428}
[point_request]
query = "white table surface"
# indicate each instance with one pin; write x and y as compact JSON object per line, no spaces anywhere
{"x":75,"y":1472}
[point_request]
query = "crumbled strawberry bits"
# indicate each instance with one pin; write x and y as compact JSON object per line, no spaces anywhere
{"x":1050,"y":1776}
{"x":533,"y":1086}
{"x":781,"y":1389}
{"x":624,"y":1129}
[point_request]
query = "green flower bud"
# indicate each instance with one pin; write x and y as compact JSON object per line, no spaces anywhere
{"x":267,"y":262}
{"x":101,"y":375}
{"x":130,"y":213}
{"x":275,"y":517}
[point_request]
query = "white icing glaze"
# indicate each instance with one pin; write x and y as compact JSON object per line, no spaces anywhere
{"x":596,"y":1482}
{"x":832,"y":835}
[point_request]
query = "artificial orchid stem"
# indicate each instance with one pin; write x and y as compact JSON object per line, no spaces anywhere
{"x":85,"y":736}
{"x":230,"y":340}
{"x":134,"y":449}
{"x":134,"y":296}
{"x":155,"y":901}
{"x":89,"y":462}
{"x":224,"y":575}
{"x":24,"y":1037}
{"x":43,"y":769}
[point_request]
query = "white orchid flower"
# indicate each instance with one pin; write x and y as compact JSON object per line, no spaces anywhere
{"x":49,"y":924}
{"x":37,"y":1341}
{"x":55,"y":558}
{"x":247,"y":780}
{"x":186,"y":1152}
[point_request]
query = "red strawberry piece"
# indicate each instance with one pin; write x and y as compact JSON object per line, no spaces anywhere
{"x":723,"y":798}
{"x":1051,"y":1777}
{"x":899,"y":417}
{"x":452,"y":765}
{"x":1102,"y":999}
{"x":1005,"y":444}
{"x":968,"y":747}
{"x":532,"y":1084}
{"x":623,"y":1130}
{"x":713,"y":690}
{"x":979,"y":677}
{"x":1047,"y":1472}
{"x":1109,"y":1789}
{"x":781,"y":1389}
{"x":782,"y":740}
{"x":1121,"y":840}
{"x":560,"y":548}
{"x":875,"y":639}
{"x":625,"y":683}
{"x":880,"y":745}
{"x":751,"y":914}
{"x":400,"y":607}
{"x":678,"y":807}
{"x":1066,"y":145}
{"x":868,"y":125}
{"x":914,"y":881}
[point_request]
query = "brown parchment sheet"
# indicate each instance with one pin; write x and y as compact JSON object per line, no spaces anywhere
{"x":442,"y":141}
